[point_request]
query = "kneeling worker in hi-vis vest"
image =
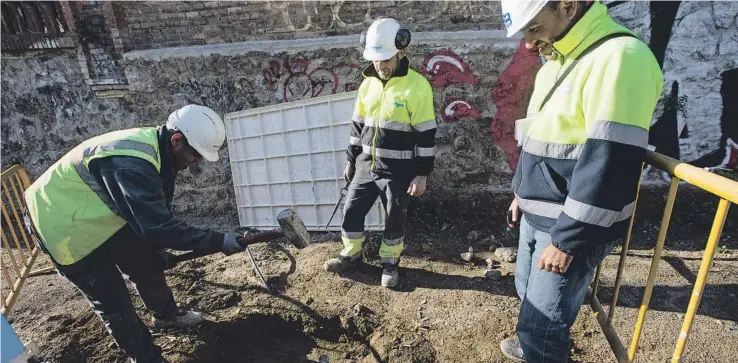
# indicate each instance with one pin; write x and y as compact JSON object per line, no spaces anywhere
{"x":584,"y":141}
{"x":104,"y":209}
{"x":390,"y":152}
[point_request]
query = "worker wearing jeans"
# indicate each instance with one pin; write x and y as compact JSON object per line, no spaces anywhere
{"x":550,"y":301}
{"x":390,"y":152}
{"x":583,"y":141}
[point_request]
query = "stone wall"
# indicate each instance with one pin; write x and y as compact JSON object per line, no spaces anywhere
{"x":156,"y":24}
{"x":464,"y":69}
{"x":697,"y":43}
{"x":47,"y":108}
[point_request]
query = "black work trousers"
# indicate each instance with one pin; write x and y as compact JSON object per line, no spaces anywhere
{"x":99,"y":277}
{"x":362,"y":194}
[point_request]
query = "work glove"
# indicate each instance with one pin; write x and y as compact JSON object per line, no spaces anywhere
{"x":348,"y":173}
{"x":231,"y":243}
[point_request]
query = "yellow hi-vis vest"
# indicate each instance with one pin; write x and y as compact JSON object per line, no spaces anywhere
{"x":72,"y":213}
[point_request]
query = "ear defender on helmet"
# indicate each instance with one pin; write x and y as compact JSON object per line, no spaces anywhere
{"x":402,"y":39}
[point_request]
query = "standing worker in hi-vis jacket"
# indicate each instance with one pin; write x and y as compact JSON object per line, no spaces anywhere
{"x":584,"y":140}
{"x":390,"y":153}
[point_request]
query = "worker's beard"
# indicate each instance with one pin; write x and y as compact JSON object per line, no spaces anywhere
{"x":545,"y":50}
{"x":386,"y":73}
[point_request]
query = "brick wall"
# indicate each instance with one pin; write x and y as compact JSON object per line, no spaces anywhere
{"x":156,"y":24}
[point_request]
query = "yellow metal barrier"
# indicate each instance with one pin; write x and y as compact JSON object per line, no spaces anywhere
{"x":20,"y":255}
{"x":720,"y":186}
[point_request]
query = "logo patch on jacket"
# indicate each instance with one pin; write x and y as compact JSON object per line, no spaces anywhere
{"x":565,"y":89}
{"x":398,"y":105}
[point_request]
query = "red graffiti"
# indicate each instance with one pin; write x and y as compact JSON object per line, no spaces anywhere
{"x":455,"y":109}
{"x":271,"y":74}
{"x":445,"y":68}
{"x":511,"y":95}
{"x":300,"y":80}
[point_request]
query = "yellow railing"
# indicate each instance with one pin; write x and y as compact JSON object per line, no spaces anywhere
{"x":720,"y":186}
{"x":24,"y":250}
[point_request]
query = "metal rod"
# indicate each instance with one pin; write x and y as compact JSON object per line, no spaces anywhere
{"x":11,"y":255}
{"x":6,"y":274}
{"x":654,"y":267}
{"x":610,"y":333}
{"x":596,"y":282}
{"x":711,"y":182}
{"x":41,"y":271}
{"x":699,"y":285}
{"x":18,"y":285}
{"x":258,"y":272}
{"x":10,"y":226}
{"x":623,"y":255}
{"x":22,"y":202}
{"x":14,"y":209}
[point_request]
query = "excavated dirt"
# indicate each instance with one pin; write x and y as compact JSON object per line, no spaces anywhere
{"x":444,"y":310}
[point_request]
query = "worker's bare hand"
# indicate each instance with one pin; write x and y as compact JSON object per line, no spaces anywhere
{"x":348,"y":173}
{"x":553,"y":260}
{"x":418,"y":186}
{"x":512,"y":214}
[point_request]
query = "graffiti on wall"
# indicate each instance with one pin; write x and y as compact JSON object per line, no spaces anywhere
{"x":455,"y":109}
{"x":445,"y":68}
{"x":511,"y":95}
{"x":297,"y":77}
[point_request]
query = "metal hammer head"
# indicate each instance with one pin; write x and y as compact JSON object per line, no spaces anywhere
{"x":293,"y":228}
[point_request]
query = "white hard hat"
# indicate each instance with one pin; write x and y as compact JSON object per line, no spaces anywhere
{"x":379,"y":44}
{"x":518,"y":13}
{"x":202,"y":127}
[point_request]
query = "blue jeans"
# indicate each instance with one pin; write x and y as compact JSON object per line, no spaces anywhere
{"x":550,"y":301}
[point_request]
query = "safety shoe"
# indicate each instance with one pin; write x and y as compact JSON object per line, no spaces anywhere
{"x":340,"y":263}
{"x":511,"y":349}
{"x":183,"y":319}
{"x":390,"y":276}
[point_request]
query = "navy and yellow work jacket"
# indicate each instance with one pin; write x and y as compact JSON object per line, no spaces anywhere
{"x":393,"y":126}
{"x":578,"y":173}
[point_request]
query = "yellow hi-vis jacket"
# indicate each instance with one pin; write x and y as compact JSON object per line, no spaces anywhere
{"x":393,"y":127}
{"x":70,"y":211}
{"x":578,"y":173}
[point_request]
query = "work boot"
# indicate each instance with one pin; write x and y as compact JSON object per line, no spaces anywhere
{"x":183,"y":319}
{"x":511,"y":349}
{"x":390,"y":276}
{"x":340,"y":263}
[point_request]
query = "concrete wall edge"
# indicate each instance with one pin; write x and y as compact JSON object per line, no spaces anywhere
{"x":466,"y":37}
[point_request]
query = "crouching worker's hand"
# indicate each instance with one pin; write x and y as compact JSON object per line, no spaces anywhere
{"x":231,"y":243}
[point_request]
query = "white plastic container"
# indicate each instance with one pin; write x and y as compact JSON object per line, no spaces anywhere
{"x":292,"y":155}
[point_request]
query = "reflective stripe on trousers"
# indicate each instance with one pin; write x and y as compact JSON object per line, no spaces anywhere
{"x":362,"y":194}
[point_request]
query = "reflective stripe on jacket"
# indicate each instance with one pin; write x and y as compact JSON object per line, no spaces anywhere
{"x":578,"y":172}
{"x":72,"y":214}
{"x":394,"y":124}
